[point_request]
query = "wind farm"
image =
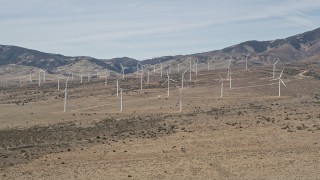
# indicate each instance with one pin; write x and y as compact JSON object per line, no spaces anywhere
{"x":235,"y":113}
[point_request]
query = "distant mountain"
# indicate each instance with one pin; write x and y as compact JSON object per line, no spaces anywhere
{"x":28,"y":57}
{"x":292,"y":49}
{"x":289,"y":49}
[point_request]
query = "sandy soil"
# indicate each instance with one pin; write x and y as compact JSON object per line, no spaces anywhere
{"x":250,"y":133}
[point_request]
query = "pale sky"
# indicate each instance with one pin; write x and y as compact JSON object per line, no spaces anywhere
{"x":143,"y":29}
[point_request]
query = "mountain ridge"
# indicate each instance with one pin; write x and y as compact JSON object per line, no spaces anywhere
{"x":290,"y":49}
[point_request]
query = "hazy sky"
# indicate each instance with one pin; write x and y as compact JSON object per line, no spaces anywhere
{"x":144,"y":29}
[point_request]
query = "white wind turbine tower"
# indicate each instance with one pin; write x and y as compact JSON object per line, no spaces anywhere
{"x":168,"y":81}
{"x":141,"y":80}
{"x":274,"y":68}
{"x":40,"y":77}
{"x":180,"y":98}
{"x":65,"y":96}
{"x":228,"y":75}
{"x":190,"y":72}
{"x":89,"y":73}
{"x":81,"y":77}
{"x":221,"y":90}
{"x":196,"y":64}
{"x":178,"y":67}
{"x":44,"y":74}
{"x":161,"y":67}
{"x":138,"y":69}
{"x":121,"y":101}
{"x":58,"y":77}
{"x":122,"y":70}
{"x":20,"y":79}
{"x":141,"y":76}
{"x":154,"y":69}
{"x":182,"y":77}
{"x":98,"y":73}
{"x":117,"y":88}
{"x":247,"y":61}
{"x":280,"y":81}
{"x":148,"y":74}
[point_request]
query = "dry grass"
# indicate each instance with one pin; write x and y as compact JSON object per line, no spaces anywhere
{"x":248,"y":134}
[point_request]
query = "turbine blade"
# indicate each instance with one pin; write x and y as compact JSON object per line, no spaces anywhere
{"x":281,"y":73}
{"x":164,"y":82}
{"x":283,"y":83}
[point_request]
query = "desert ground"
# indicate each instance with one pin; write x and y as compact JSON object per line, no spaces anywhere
{"x":248,"y":133}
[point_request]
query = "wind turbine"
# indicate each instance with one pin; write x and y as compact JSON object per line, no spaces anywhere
{"x":81,"y":78}
{"x":154,"y":69}
{"x":58,"y":82}
{"x":140,"y":69}
{"x":65,"y":96}
{"x":141,"y":76}
{"x":117,"y":88}
{"x":274,"y":68}
{"x":88,"y":76}
{"x":190,"y":72}
{"x":98,"y":73}
{"x":44,"y":74}
{"x":168,"y":81}
{"x":182,"y":77}
{"x":121,"y":102}
{"x":221,"y":90}
{"x":180,"y":98}
{"x":178,"y":67}
{"x":148,"y":74}
{"x":228,"y":75}
{"x":247,"y":61}
{"x":161,"y":67}
{"x":81,"y":75}
{"x":122,"y":69}
{"x":141,"y":80}
{"x":40,"y":77}
{"x":196,"y":64}
{"x":280,"y":81}
{"x":230,"y":78}
{"x":20,"y":79}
